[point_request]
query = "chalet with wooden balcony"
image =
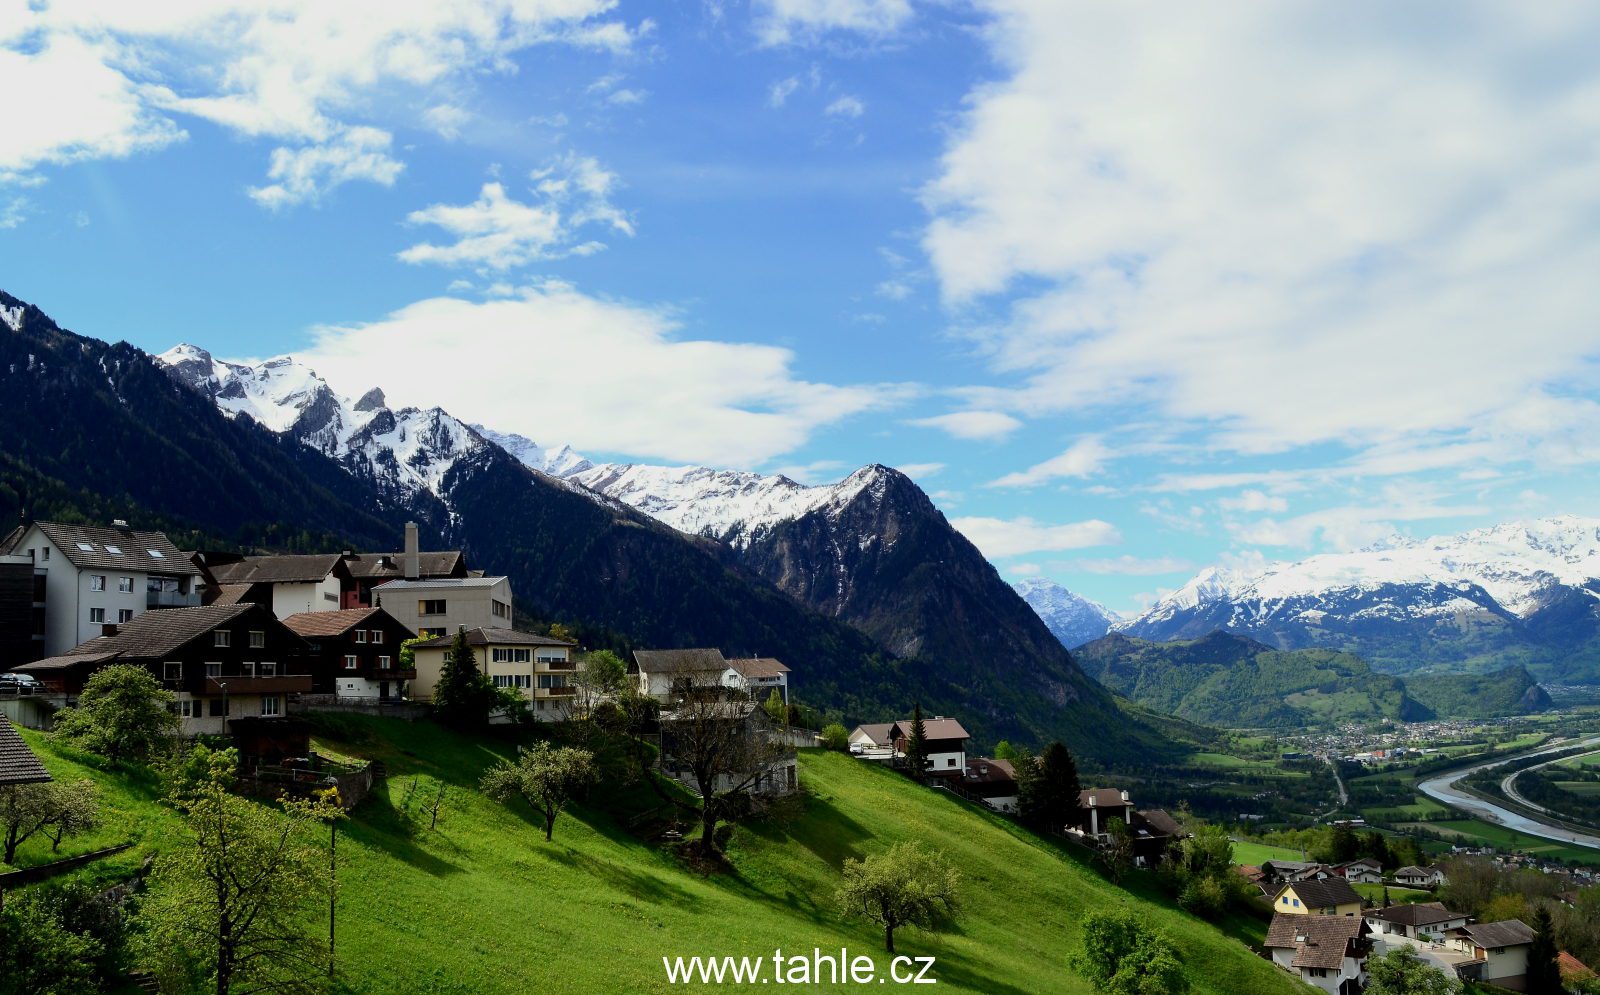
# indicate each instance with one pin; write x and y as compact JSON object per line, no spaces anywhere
{"x":223,"y":662}
{"x":354,"y":653}
{"x":541,"y":667}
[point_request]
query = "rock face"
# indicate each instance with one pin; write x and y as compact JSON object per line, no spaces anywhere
{"x":1521,"y":592}
{"x":1072,"y":619}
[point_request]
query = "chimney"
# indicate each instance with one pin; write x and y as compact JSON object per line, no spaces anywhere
{"x":108,"y":628}
{"x":413,"y":559}
{"x":120,"y":523}
{"x":1124,"y":796}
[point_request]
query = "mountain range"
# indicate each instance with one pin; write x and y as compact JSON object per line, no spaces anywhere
{"x":863,"y":587}
{"x":1071,"y":618}
{"x":1521,"y":593}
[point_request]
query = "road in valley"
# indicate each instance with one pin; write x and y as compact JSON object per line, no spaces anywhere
{"x":1443,"y":788}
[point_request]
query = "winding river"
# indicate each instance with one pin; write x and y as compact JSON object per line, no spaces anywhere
{"x":1443,"y":788}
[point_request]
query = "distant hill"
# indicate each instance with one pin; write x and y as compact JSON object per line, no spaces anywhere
{"x":1227,"y":680}
{"x":1512,"y":691}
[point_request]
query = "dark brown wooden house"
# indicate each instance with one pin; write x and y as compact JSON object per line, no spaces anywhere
{"x":355,"y":653}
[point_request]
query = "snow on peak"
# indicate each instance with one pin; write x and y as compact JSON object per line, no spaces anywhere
{"x":1071,"y":618}
{"x":560,"y":461}
{"x":12,"y":316}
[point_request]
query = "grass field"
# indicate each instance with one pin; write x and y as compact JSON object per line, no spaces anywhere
{"x":1396,"y":893}
{"x":1488,"y":833}
{"x":1242,"y":765}
{"x":1420,"y":808}
{"x":483,"y":904}
{"x":1255,"y":854}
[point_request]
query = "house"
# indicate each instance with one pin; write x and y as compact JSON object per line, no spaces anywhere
{"x":1281,"y":871}
{"x":1324,"y":897}
{"x":18,"y":764}
{"x":225,"y":663}
{"x":440,"y":607}
{"x":772,"y":769}
{"x":759,"y":676}
{"x":541,"y":667}
{"x":992,"y":782}
{"x":22,"y":601}
{"x":660,"y":670}
{"x":1154,"y":830}
{"x":1097,"y":807}
{"x":872,"y":741}
{"x":1419,"y":877}
{"x":354,"y":652}
{"x":95,"y":576}
{"x":1499,"y":951}
{"x":1574,"y":972}
{"x":1413,"y":921}
{"x":1329,"y":953}
{"x":944,"y":740}
{"x":1364,"y":870}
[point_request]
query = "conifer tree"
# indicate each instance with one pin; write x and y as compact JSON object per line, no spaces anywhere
{"x":917,"y":743}
{"x":464,"y":695}
{"x":1544,"y":972}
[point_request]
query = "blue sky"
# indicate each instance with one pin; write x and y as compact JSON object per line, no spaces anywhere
{"x":1129,"y":289}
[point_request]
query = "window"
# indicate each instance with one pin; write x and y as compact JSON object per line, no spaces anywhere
{"x":189,"y":709}
{"x":502,"y":681}
{"x":511,"y":655}
{"x":350,"y":662}
{"x":547,"y":657}
{"x":97,"y":582}
{"x":172,"y":671}
{"x":124,"y":615}
{"x":431,"y":633}
{"x":247,"y":669}
{"x":271,"y":705}
{"x":258,"y":639}
{"x":125,"y":584}
{"x":46,"y":555}
{"x":500,"y":608}
{"x":213,"y":670}
{"x":522,"y":680}
{"x":114,"y":549}
{"x":552,"y":680}
{"x":85,"y":547}
{"x":361,"y":635}
{"x":222,"y":638}
{"x":383,"y":663}
{"x":269,"y":669}
{"x":156,"y":554}
{"x":377,"y":635}
{"x":219,"y":706}
{"x":432,"y":606}
{"x":97,"y":615}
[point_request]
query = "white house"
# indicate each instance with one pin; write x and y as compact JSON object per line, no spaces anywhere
{"x":93,"y":577}
{"x":292,"y":585}
{"x":1499,"y":951}
{"x":439,"y":606}
{"x":540,"y":667}
{"x":1420,"y":877}
{"x":1411,"y":922}
{"x":1363,"y":870}
{"x":759,"y":676}
{"x":1326,"y":952}
{"x":659,"y":670}
{"x":945,"y":741}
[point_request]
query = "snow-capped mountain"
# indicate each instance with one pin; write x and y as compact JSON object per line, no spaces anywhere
{"x":1073,"y":619}
{"x":1521,"y":589}
{"x":559,"y":461}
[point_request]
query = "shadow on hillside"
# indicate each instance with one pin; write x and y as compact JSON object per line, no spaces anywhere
{"x":383,"y":826}
{"x":637,"y":884}
{"x":821,"y":828}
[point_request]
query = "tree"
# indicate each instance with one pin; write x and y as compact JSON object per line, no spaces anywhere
{"x":52,"y":808}
{"x":1003,"y":750}
{"x":1345,"y":845}
{"x":232,"y":908}
{"x":1121,"y":955}
{"x":39,"y":955}
{"x":1503,"y":907}
{"x":917,"y":743}
{"x":1374,"y":845}
{"x":1472,"y":884}
{"x":122,"y":714}
{"x":776,"y":710}
{"x":1400,"y":972}
{"x":835,"y":737}
{"x":464,"y":696}
{"x":1544,"y":972}
{"x":599,"y":677}
{"x":562,"y":632}
{"x":545,"y":777}
{"x":1118,"y":850}
{"x":907,"y":885}
{"x":1051,"y":797}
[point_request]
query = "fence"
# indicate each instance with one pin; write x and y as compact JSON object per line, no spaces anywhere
{"x":272,"y":781}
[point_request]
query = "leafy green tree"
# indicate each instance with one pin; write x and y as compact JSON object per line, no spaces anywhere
{"x":906,"y":885}
{"x":599,"y":677}
{"x":1051,"y":798}
{"x":1117,"y":852}
{"x":917,"y":743}
{"x":835,"y":737}
{"x":560,"y":631}
{"x":77,"y":810}
{"x":1121,"y":955}
{"x":231,"y":908}
{"x":39,"y":955}
{"x":464,"y":696}
{"x":1544,"y":972}
{"x":1401,"y":972}
{"x":776,"y":710}
{"x":546,"y":777}
{"x":1003,"y":750}
{"x":122,"y":714}
{"x":53,"y":809}
{"x":1346,"y":846}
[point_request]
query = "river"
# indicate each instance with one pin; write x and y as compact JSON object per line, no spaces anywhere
{"x":1443,"y":788}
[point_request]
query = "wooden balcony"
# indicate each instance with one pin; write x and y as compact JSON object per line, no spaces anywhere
{"x":565,"y":692}
{"x":278,"y":684}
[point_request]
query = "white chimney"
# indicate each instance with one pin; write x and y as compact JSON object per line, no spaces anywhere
{"x":413,"y":557}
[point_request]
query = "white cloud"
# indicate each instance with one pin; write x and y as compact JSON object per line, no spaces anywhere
{"x":646,"y":392}
{"x":1286,"y":225}
{"x":446,"y":119}
{"x":1354,"y":526}
{"x":846,"y":106}
{"x":1132,"y":566}
{"x":1023,"y":570}
{"x":306,"y":173}
{"x":626,"y":97}
{"x":972,"y":424}
{"x":1254,"y":501}
{"x":498,"y":232}
{"x":296,"y":71}
{"x":782,"y":21}
{"x":13,"y":213}
{"x":920,"y":471}
{"x":1081,"y":459}
{"x":998,"y":538}
{"x":779,"y":93}
{"x":895,"y":290}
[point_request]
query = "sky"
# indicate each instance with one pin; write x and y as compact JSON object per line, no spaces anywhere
{"x":1129,"y":289}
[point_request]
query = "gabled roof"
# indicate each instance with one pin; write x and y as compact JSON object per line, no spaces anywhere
{"x":1102,"y":798}
{"x":18,"y":765}
{"x":686,"y":661}
{"x":1506,"y":933}
{"x":1419,"y":872}
{"x":159,"y":633}
{"x":990,"y":771}
{"x":492,"y":636}
{"x":1324,"y":893}
{"x":1416,"y":914}
{"x":758,"y":666}
{"x":1318,"y":941}
{"x":298,"y":569}
{"x":90,"y":547}
{"x":313,"y":625}
{"x":231,"y":594}
{"x":439,"y":563}
{"x":939,"y":728}
{"x":67,"y":661}
{"x":877,"y":732}
{"x":1161,"y":821}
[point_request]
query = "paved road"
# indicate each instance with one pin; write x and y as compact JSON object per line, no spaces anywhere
{"x":1443,"y":788}
{"x":1508,"y":784}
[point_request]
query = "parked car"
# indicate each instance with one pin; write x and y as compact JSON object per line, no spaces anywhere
{"x":19,"y":684}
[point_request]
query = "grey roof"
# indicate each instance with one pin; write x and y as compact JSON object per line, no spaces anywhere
{"x":939,"y":728}
{"x":437,"y":563}
{"x":299,"y":569}
{"x":1318,"y":941}
{"x":687,"y":661}
{"x":1506,"y":933}
{"x":1416,"y":914}
{"x":1325,"y":893}
{"x":158,"y":633}
{"x":66,"y":661}
{"x":113,"y":548}
{"x":1417,"y":872}
{"x":877,"y":732}
{"x":758,"y":666}
{"x":18,"y":765}
{"x":436,"y":584}
{"x":491,"y":636}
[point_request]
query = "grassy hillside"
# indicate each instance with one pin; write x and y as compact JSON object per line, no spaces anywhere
{"x":1511,"y":691}
{"x":483,"y":904}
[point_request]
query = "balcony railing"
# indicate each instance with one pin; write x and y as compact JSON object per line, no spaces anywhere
{"x":171,"y":599}
{"x":562,"y":665}
{"x":562,"y":692}
{"x":278,"y":684}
